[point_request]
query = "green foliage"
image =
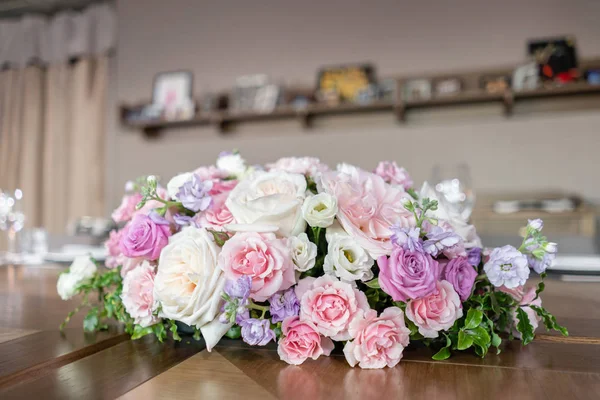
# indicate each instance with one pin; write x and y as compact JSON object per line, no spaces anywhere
{"x":373,"y":284}
{"x":550,"y":320}
{"x":524,"y":326}
{"x":173,"y":329}
{"x":474,"y":318}
{"x":444,"y":352}
{"x":220,"y":237}
{"x":235,"y":332}
{"x":91,"y":322}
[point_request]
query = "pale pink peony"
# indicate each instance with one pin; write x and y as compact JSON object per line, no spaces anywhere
{"x":331,"y":305}
{"x":368,"y":207}
{"x":129,"y":264}
{"x":115,"y":257}
{"x":378,"y":341}
{"x":525,"y":299}
{"x":299,"y":165}
{"x":436,"y":312}
{"x":220,"y":186}
{"x":263,"y":257}
{"x":217,"y":215}
{"x":138,"y":294}
{"x":393,"y":174}
{"x":301,"y":341}
{"x":210,"y":172}
{"x":126,"y":210}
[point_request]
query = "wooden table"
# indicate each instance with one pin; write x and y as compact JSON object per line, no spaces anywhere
{"x":36,"y":361}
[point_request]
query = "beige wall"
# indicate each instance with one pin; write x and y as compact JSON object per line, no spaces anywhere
{"x":290,"y":40}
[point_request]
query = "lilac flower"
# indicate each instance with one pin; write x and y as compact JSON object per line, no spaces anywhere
{"x":439,"y":240}
{"x":542,"y":258}
{"x":157,"y":218}
{"x":407,"y":238}
{"x":257,"y":332}
{"x":239,"y":289}
{"x":507,"y":267}
{"x":474,"y":256}
{"x":182,"y":220}
{"x":283,"y":305}
{"x":535,"y":224}
{"x":194,"y":194}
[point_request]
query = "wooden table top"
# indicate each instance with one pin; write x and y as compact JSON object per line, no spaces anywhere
{"x":36,"y":361}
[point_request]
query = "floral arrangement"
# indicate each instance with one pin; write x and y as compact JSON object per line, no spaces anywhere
{"x":307,"y":257}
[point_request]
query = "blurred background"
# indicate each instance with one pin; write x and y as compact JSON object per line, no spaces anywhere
{"x":504,"y":96}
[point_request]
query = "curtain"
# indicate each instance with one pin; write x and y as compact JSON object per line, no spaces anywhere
{"x":52,"y":124}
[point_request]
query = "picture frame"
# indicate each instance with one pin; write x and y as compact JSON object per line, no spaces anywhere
{"x":349,"y":81}
{"x":173,"y":89}
{"x":447,"y":86}
{"x":556,"y":58}
{"x":494,"y":83}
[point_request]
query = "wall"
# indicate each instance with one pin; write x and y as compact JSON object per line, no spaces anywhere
{"x":290,"y":40}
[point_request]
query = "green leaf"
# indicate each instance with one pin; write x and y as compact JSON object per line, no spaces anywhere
{"x":220,"y":237}
{"x":159,"y":331}
{"x":464,"y":341}
{"x":235,"y":332}
{"x":550,"y":320}
{"x":174,"y":332}
{"x":443,"y":354}
{"x":139,"y":331}
{"x":474,"y":318}
{"x":480,"y":335}
{"x":196,"y":335}
{"x":90,"y":322}
{"x":524,"y":326}
{"x":540,"y":288}
{"x":412,"y":193}
{"x":374,"y":283}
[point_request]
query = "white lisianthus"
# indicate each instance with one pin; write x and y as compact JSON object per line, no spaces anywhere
{"x":176,"y":183}
{"x":347,"y":260}
{"x":232,"y":163}
{"x":304,"y":252}
{"x":82,"y":269}
{"x":320,"y":210}
{"x":270,"y":198}
{"x":188,"y":283}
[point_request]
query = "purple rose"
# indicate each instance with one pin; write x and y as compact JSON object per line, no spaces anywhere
{"x":145,"y":236}
{"x":461,"y":274}
{"x":283,"y":305}
{"x":257,"y":332}
{"x":407,"y":274}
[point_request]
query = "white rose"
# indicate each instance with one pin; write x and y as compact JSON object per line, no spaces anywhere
{"x":460,"y":226}
{"x":81,"y":270}
{"x":304,"y":252}
{"x":347,"y":260}
{"x":270,"y":199}
{"x":188,"y":283}
{"x":232,"y":164}
{"x":176,"y":183}
{"x":320,"y":210}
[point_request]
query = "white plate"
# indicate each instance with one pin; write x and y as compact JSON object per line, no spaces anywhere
{"x":68,"y":253}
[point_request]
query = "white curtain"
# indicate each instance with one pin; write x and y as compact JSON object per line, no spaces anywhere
{"x":52,"y":116}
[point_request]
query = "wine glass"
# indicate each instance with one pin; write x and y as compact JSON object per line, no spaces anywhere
{"x":12,"y":221}
{"x":453,"y":186}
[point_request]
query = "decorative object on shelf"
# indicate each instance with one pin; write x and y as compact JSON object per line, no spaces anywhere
{"x":366,"y":95}
{"x":494,"y":83}
{"x":593,"y":76}
{"x":556,"y":59}
{"x":172,"y":93}
{"x":417,"y":89}
{"x":347,"y":81}
{"x":254,"y":93}
{"x":525,"y":77}
{"x":447,"y":86}
{"x":348,"y":255}
{"x":386,"y":89}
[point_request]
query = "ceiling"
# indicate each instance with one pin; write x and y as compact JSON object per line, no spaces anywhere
{"x":15,"y":8}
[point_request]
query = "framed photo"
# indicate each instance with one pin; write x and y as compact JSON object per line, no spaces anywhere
{"x":494,"y":83}
{"x":556,"y":58}
{"x":349,"y":82}
{"x":447,"y":86}
{"x":172,"y":90}
{"x":417,"y":89}
{"x":255,"y":93}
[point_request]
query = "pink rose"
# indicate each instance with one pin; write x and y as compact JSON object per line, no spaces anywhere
{"x":217,"y":215}
{"x":125,"y":211}
{"x":138,"y":294}
{"x":263,"y":257}
{"x":129,"y":264}
{"x":220,"y":186}
{"x":210,"y":172}
{"x":392,"y":173}
{"x":378,"y":341}
{"x":331,"y":305}
{"x":408,"y":274}
{"x":301,"y":341}
{"x":299,"y":165}
{"x":525,"y":299}
{"x":436,"y":312}
{"x":461,"y":274}
{"x":368,"y":207}
{"x":113,"y":248}
{"x":145,"y":236}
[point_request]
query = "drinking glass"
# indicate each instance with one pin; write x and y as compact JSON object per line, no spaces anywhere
{"x":453,"y":186}
{"x":12,"y":220}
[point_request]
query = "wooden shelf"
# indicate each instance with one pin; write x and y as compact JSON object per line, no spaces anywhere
{"x":224,"y":120}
